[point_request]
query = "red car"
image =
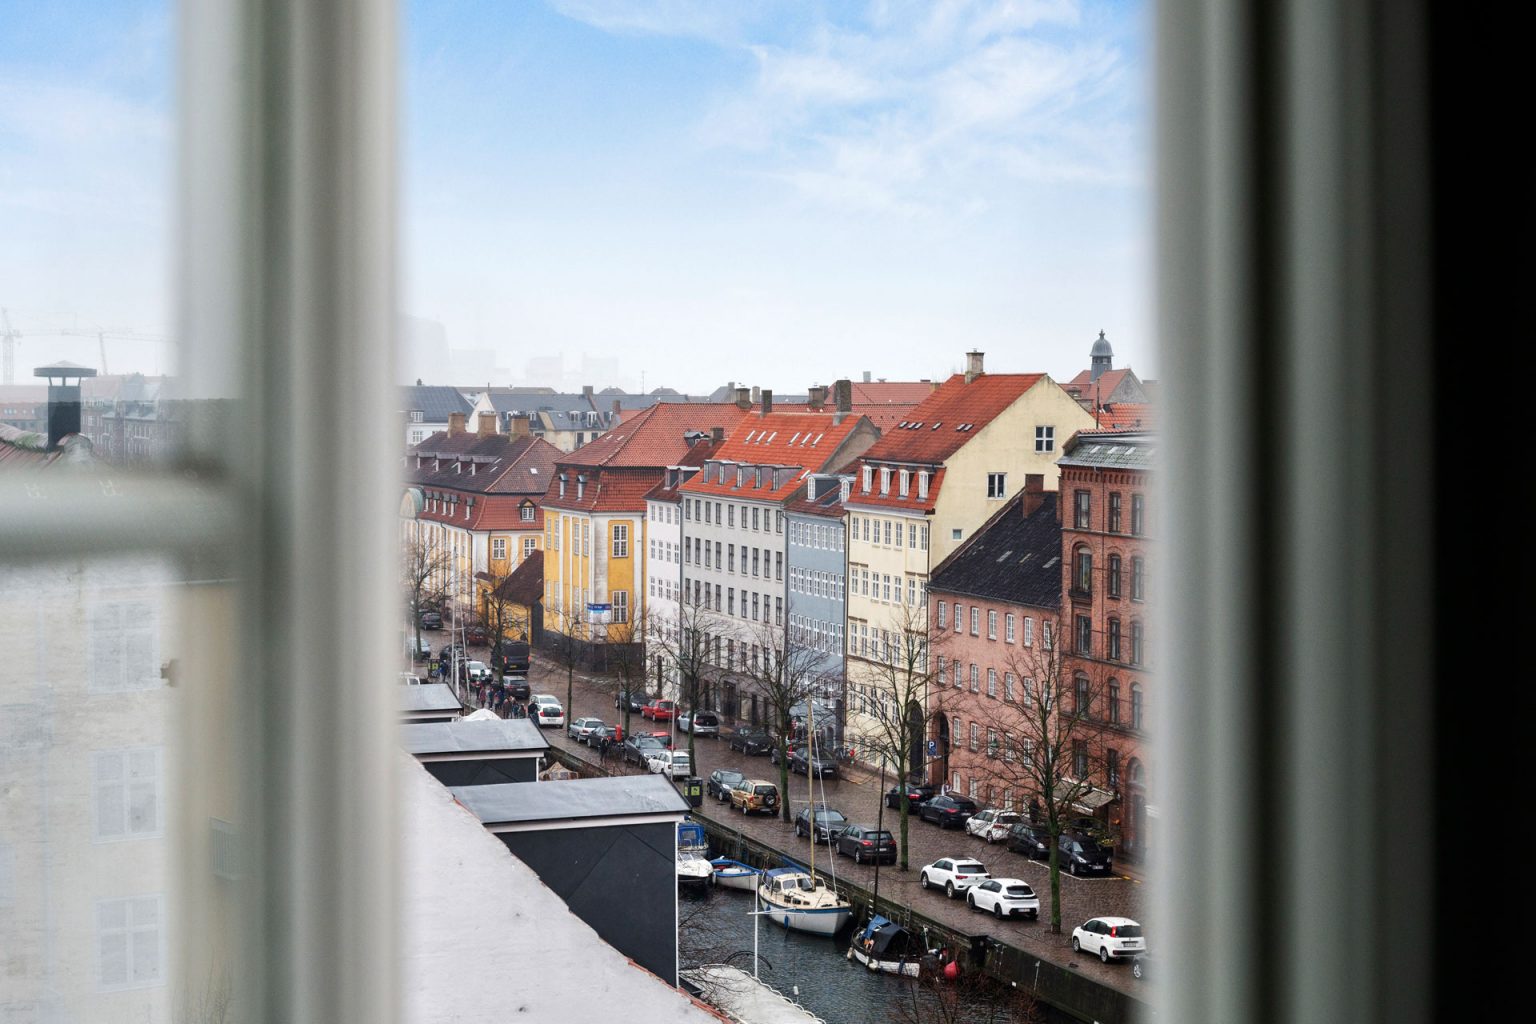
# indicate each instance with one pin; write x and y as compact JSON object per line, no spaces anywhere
{"x":660,"y":710}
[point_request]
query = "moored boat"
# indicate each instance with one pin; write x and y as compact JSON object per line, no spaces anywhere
{"x":733,"y":874}
{"x":797,"y":899}
{"x":885,"y":946}
{"x":693,"y":864}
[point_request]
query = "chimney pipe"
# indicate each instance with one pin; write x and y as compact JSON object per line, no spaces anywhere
{"x":1034,"y":493}
{"x":757,"y":394}
{"x":767,"y":401}
{"x":455,"y":424}
{"x":717,"y":434}
{"x":487,"y":426}
{"x":973,"y":365}
{"x":743,"y":399}
{"x":817,"y":398}
{"x":586,"y":392}
{"x":868,"y":376}
{"x":618,"y":407}
{"x":842,"y":399}
{"x":63,"y":399}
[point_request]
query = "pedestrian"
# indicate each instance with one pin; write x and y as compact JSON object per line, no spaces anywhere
{"x":602,"y":750}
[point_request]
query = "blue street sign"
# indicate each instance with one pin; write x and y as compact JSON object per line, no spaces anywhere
{"x":933,"y":748}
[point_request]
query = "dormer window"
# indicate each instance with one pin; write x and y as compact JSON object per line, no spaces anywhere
{"x":741,"y":475}
{"x":868,"y":475}
{"x":417,"y":416}
{"x":922,"y":484}
{"x":906,"y":482}
{"x":562,"y":485}
{"x":581,"y":485}
{"x":885,"y":480}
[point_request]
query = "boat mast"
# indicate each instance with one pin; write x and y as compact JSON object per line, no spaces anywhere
{"x":810,"y":774}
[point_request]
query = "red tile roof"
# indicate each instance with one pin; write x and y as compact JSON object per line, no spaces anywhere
{"x":803,"y":441}
{"x":654,"y":437}
{"x":933,"y":433}
{"x":525,"y":586}
{"x":502,"y":464}
{"x":889,"y":392}
{"x":606,"y":489}
{"x":489,"y":512}
{"x":1125,"y":416}
{"x":694,"y":457}
{"x":911,"y":503}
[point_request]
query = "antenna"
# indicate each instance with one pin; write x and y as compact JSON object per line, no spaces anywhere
{"x":8,"y":338}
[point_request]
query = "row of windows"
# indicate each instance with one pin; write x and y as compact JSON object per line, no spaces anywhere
{"x":723,"y":557}
{"x":663,"y":551}
{"x":499,"y":547}
{"x":1082,"y":512}
{"x":661,"y":513}
{"x":701,"y":511}
{"x":890,"y":646}
{"x":580,"y":540}
{"x":1082,"y":575}
{"x":815,"y":583}
{"x":889,"y":589}
{"x":1083,"y":702}
{"x":1114,"y":647}
{"x":826,"y":536}
{"x":890,"y":533}
{"x":753,"y":606}
{"x":816,"y":634}
{"x":1011,"y":624}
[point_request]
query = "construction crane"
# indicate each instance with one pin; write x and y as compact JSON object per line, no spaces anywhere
{"x":101,"y":334}
{"x":8,"y":338}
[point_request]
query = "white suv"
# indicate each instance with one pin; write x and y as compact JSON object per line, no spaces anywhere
{"x":953,"y":875}
{"x":1112,"y":938}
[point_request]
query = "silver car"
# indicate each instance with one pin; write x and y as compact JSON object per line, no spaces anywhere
{"x":700,"y":723}
{"x":583,"y":727}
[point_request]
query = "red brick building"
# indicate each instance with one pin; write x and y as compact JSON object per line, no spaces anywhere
{"x":993,"y":609}
{"x":1105,"y":488}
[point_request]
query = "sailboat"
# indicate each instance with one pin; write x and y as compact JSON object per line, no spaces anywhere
{"x":795,"y":897}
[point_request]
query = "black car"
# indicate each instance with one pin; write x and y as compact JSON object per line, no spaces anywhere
{"x":448,"y":649}
{"x":800,"y":761}
{"x":594,"y":739}
{"x":517,"y":687}
{"x":948,"y":811}
{"x":638,"y":748}
{"x":431,"y":620}
{"x":1033,"y":841}
{"x":865,"y":842}
{"x":1082,"y":856}
{"x":634,"y":699}
{"x":751,"y":741}
{"x":721,"y":782}
{"x":828,"y":822}
{"x":917,"y":793}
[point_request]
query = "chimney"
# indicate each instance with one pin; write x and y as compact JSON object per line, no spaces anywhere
{"x":818,"y":397}
{"x":586,"y":392}
{"x":767,"y":401}
{"x":757,"y":395}
{"x":717,"y":434}
{"x":517,"y":427}
{"x":743,"y":399}
{"x":618,"y":407}
{"x":487,"y":425}
{"x":455,"y":424}
{"x":1034,"y":493}
{"x":868,"y":376}
{"x":973,"y":365}
{"x":63,"y":398}
{"x":842,"y":399}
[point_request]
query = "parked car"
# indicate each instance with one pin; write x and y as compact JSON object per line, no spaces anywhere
{"x":992,"y":825}
{"x":664,"y":738}
{"x":670,"y":763}
{"x":721,"y":782}
{"x":409,"y":679}
{"x":1033,"y":841}
{"x":1112,"y":938}
{"x":583,"y":727}
{"x":612,"y":733}
{"x":801,"y":762}
{"x":1140,"y":964}
{"x":953,"y":875}
{"x":637,"y":749}
{"x":418,"y":649}
{"x":449,"y":649}
{"x":700,"y":723}
{"x":1083,"y":856}
{"x":517,"y":687}
{"x":633,"y":699}
{"x":865,"y":842}
{"x":510,"y":656}
{"x":947,"y":811}
{"x":918,"y":793}
{"x":1005,"y":897}
{"x":659,"y":710}
{"x":431,"y":620}
{"x":476,"y":636}
{"x":751,"y":741}
{"x":754,"y":795}
{"x":826,"y":824}
{"x":479,"y":672}
{"x":548,"y":715}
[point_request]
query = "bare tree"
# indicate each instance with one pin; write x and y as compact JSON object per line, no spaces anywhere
{"x":626,"y":645}
{"x":686,"y":646}
{"x":566,"y":640}
{"x":901,"y":666}
{"x":423,"y":576}
{"x":1051,"y":732}
{"x":502,"y":615}
{"x":784,"y":674}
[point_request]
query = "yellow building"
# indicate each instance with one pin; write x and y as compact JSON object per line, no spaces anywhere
{"x":918,"y":493}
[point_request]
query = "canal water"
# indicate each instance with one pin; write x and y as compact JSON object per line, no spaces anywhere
{"x":715,"y":926}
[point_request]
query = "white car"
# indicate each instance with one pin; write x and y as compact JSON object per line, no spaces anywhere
{"x":992,"y":825}
{"x":1112,"y":938}
{"x":671,"y":763}
{"x":546,"y":698}
{"x":953,"y":874}
{"x":479,"y":672}
{"x":547,"y":711}
{"x":1004,"y":897}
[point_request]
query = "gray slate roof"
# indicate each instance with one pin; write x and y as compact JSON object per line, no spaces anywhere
{"x":435,"y":403}
{"x":428,"y":697}
{"x":510,"y":735}
{"x":1010,"y":560}
{"x":1111,"y":450}
{"x":572,"y":799}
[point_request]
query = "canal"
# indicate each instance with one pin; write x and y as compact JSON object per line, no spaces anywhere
{"x":715,"y":926}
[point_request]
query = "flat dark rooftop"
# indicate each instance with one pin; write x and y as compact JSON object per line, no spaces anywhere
{"x":429,"y":697}
{"x":509,"y":735}
{"x":572,"y":799}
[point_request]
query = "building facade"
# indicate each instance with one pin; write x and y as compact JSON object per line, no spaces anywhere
{"x":817,"y":579}
{"x":1106,"y":488}
{"x":664,"y":571}
{"x":427,"y":408}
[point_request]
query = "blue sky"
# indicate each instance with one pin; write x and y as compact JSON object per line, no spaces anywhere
{"x":771,"y":193}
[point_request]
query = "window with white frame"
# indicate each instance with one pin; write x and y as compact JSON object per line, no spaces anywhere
{"x":127,"y":787}
{"x":620,"y":602}
{"x":123,"y":637}
{"x":997,"y":485}
{"x":130,"y":942}
{"x":498,"y":548}
{"x":1045,"y":439}
{"x":620,"y":540}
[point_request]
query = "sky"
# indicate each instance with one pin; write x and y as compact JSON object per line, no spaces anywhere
{"x":770,"y":193}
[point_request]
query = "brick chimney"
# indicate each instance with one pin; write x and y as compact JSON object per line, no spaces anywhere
{"x":743,"y":399}
{"x":757,"y":395}
{"x":517,"y":427}
{"x":586,"y":391}
{"x":973,"y":365}
{"x":1034,"y":493}
{"x":842,"y":399}
{"x":817,"y":397}
{"x":455,"y":424}
{"x":767,"y":401}
{"x":717,"y":434}
{"x":487,"y":426}
{"x":618,"y":407}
